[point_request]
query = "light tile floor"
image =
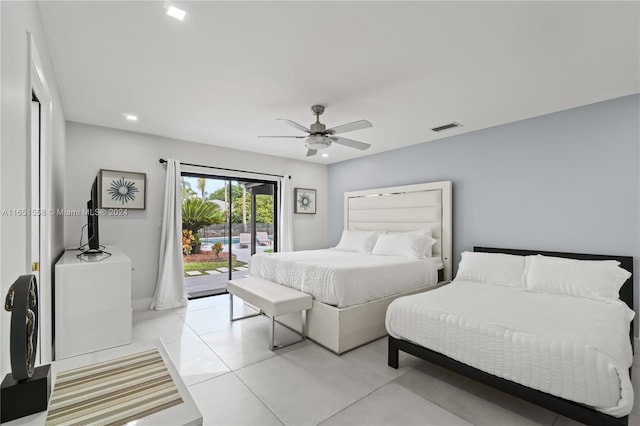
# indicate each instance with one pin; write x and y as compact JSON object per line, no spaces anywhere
{"x":236,"y":380}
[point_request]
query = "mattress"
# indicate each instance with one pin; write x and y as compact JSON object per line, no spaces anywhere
{"x":571,"y":347}
{"x":344,"y":278}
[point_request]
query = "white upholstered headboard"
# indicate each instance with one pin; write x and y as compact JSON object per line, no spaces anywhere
{"x":405,"y":208}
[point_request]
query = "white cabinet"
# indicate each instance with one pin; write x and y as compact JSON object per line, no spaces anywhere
{"x":92,"y":302}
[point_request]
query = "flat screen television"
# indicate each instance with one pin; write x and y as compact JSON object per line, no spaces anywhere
{"x":92,"y":218}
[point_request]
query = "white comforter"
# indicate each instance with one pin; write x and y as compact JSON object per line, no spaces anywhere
{"x":571,"y":347}
{"x":344,"y":278}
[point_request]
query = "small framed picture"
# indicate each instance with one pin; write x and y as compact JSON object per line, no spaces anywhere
{"x":305,"y":201}
{"x":122,"y":190}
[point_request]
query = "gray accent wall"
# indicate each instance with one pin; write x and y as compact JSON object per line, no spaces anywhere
{"x":567,"y":181}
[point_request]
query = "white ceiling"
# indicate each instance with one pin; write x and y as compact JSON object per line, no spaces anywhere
{"x":230,"y":69}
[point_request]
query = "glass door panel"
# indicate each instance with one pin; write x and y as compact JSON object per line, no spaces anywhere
{"x":225,"y":222}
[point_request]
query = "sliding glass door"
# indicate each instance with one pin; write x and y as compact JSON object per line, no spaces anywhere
{"x":225,"y":221}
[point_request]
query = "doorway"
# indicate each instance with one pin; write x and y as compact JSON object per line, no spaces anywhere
{"x":225,"y":221}
{"x":35,"y":196}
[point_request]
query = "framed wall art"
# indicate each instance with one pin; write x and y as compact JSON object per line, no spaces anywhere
{"x":122,"y":190}
{"x":305,"y":201}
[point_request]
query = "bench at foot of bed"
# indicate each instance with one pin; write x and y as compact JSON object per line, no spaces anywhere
{"x":272,"y":299}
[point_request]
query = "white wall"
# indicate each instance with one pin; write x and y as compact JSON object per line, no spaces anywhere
{"x":91,"y":148}
{"x":18,"y":20}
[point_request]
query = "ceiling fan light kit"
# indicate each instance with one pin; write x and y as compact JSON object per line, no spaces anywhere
{"x":317,"y":142}
{"x":320,"y":137}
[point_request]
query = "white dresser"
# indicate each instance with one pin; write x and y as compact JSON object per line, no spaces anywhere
{"x":92,"y":302}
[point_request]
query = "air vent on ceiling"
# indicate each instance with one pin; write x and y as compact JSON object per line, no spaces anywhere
{"x":446,"y":127}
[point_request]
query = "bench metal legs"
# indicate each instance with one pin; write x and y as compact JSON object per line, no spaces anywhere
{"x":303,"y":334}
{"x":239,"y":318}
{"x":272,"y":326}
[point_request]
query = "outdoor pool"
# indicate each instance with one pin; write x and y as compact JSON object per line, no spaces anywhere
{"x":213,"y":240}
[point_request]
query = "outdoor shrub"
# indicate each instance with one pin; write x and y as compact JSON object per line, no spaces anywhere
{"x":217,"y":248}
{"x":188,"y":241}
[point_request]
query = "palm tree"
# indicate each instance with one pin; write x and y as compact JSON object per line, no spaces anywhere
{"x":202,"y":183}
{"x":226,"y":197}
{"x":244,"y":204}
{"x":187,"y":192}
{"x":197,"y":214}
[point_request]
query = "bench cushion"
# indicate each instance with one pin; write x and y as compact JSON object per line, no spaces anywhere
{"x":274,"y":299}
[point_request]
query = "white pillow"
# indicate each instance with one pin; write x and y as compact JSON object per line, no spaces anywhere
{"x":593,"y":279}
{"x":498,"y":269}
{"x":359,"y":241}
{"x":415,"y":244}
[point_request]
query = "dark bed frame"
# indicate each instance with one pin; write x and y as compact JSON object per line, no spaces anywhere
{"x":573,"y":410}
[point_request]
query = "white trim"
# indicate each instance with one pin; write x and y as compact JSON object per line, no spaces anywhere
{"x":38,"y":83}
{"x":141,"y":304}
{"x":204,"y":170}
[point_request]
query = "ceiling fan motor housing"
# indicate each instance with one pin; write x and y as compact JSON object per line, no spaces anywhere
{"x":318,"y":128}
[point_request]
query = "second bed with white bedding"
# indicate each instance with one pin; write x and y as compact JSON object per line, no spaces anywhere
{"x":344,"y":278}
{"x":571,"y":347}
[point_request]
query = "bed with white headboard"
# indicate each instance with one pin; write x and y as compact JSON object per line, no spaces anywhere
{"x":400,"y":208}
{"x":405,"y":208}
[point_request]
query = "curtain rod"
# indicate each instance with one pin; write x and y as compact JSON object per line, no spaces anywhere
{"x":162,"y":161}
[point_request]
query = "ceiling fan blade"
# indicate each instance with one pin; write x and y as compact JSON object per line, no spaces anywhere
{"x":349,"y":127}
{"x":312,"y":152}
{"x":351,"y":143}
{"x":296,"y":137}
{"x":294,"y":124}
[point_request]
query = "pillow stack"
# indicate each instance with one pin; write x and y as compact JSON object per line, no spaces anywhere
{"x":413,"y":244}
{"x":358,"y":241}
{"x":492,"y":268}
{"x":592,"y":279}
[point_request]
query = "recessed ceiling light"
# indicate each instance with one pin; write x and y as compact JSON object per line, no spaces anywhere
{"x":325,"y":155}
{"x":131,"y":117}
{"x":175,"y":12}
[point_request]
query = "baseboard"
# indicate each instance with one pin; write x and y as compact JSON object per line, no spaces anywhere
{"x":141,"y":304}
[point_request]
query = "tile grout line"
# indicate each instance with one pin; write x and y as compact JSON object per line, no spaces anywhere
{"x":234,"y":372}
{"x":433,"y":402}
{"x":359,"y":399}
{"x":231,"y":371}
{"x":373,"y":391}
{"x":209,"y":347}
{"x":257,"y":397}
{"x":353,"y":403}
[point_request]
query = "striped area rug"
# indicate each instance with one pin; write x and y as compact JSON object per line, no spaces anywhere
{"x":113,"y":392}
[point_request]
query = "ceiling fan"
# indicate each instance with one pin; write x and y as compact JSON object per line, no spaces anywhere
{"x":320,"y":137}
